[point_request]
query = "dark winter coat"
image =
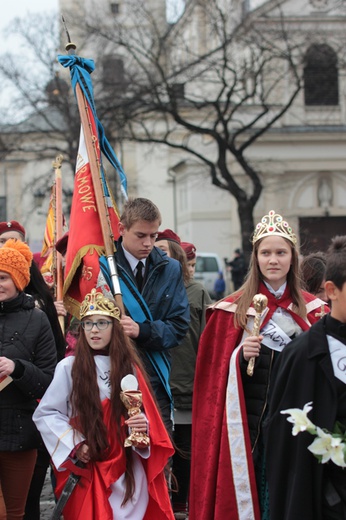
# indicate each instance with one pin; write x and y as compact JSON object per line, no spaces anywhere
{"x":184,"y":357}
{"x":239,"y":270}
{"x":25,"y":337}
{"x":165,"y":295}
{"x":303,"y":374}
{"x":256,"y":389}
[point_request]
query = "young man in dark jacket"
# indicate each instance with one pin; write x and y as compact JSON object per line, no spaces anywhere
{"x":152,"y":284}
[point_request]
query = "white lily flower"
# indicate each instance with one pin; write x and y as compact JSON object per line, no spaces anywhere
{"x":338,"y":455}
{"x":329,"y":447}
{"x":299,"y":419}
{"x":326,"y":446}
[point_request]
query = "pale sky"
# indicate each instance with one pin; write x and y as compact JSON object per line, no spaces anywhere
{"x":11,"y":9}
{"x":19,"y":8}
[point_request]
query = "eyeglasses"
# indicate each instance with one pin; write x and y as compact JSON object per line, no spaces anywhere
{"x":100,"y":324}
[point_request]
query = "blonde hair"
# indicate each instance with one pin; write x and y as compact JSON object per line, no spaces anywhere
{"x":139,"y":209}
{"x":243,"y":296}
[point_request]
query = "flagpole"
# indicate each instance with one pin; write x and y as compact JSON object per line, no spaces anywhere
{"x":59,"y":281}
{"x":107,"y":233}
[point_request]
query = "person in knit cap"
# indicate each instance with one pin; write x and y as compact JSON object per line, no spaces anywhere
{"x":37,"y":286}
{"x":27,"y":363}
{"x":43,"y":298}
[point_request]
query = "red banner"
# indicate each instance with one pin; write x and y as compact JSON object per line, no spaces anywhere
{"x":85,"y":242}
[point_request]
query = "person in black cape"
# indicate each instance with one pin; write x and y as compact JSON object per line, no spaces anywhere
{"x":307,"y":371}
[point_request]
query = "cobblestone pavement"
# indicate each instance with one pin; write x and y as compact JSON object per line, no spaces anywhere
{"x":48,"y":503}
{"x":47,"y":499}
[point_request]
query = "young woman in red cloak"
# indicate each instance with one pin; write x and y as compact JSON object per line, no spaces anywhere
{"x":229,"y":405}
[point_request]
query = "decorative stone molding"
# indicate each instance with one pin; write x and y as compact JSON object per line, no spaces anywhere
{"x":319,"y":4}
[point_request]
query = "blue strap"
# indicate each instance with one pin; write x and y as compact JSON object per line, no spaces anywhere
{"x":140,"y":312}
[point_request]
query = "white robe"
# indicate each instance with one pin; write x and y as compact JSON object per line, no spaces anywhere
{"x":52,"y":420}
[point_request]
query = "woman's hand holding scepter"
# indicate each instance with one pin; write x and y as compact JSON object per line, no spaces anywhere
{"x":260,"y":302}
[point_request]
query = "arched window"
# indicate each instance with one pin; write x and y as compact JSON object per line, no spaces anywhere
{"x":321,"y":76}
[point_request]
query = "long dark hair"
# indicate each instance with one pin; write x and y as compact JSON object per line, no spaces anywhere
{"x":313,"y":271}
{"x":41,"y":293}
{"x":85,"y":399}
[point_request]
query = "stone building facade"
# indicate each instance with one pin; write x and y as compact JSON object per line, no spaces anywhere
{"x":301,"y":159}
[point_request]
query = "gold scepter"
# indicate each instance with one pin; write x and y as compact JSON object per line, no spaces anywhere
{"x":260,"y":302}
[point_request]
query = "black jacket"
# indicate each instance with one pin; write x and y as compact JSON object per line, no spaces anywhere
{"x":26,"y":338}
{"x":256,"y":389}
{"x":239,"y":269}
{"x":303,"y":373}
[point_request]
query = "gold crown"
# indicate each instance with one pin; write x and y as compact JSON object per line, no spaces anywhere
{"x":273,"y":224}
{"x":95,"y":303}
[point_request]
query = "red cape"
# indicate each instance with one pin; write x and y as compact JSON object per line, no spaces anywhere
{"x":212,"y":492}
{"x":89,"y":500}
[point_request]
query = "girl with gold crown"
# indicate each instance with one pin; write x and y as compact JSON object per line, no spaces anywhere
{"x":82,"y":417}
{"x":230,"y":400}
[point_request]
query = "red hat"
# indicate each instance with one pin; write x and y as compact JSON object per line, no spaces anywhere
{"x":168,"y":234}
{"x":61,"y":244}
{"x":11,"y":225}
{"x":189,"y":249}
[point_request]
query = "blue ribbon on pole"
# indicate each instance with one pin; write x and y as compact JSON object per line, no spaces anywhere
{"x":80,"y":70}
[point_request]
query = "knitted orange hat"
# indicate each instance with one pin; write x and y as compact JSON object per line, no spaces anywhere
{"x":15,"y":259}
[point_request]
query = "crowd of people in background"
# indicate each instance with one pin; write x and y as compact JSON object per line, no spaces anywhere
{"x":170,"y":404}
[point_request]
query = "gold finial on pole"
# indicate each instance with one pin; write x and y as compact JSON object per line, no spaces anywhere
{"x":70,"y":46}
{"x":58,"y":161}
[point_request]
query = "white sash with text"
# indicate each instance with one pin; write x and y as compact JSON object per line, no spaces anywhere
{"x":274,"y":337}
{"x":338,"y":356}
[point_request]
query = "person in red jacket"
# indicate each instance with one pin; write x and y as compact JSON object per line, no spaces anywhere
{"x":229,"y":405}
